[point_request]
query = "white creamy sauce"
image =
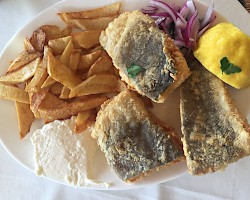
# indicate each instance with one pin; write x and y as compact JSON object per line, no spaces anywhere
{"x":62,"y":155}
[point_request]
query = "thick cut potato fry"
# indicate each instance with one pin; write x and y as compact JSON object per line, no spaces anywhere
{"x":96,"y":49}
{"x":74,"y":60}
{"x":22,"y":74}
{"x":70,"y":109}
{"x":64,"y":93}
{"x":22,"y":59}
{"x":43,"y":99}
{"x":91,"y":24}
{"x":65,"y":57}
{"x":56,"y":88}
{"x":87,"y":60}
{"x":66,"y":31}
{"x":38,"y":40}
{"x":104,"y":11}
{"x":58,"y":45}
{"x":96,"y":84}
{"x":13,"y":93}
{"x":48,"y":82}
{"x":84,"y":120}
{"x":24,"y":117}
{"x":61,"y":73}
{"x":53,"y":32}
{"x":40,"y":74}
{"x":28,"y":46}
{"x":101,"y":66}
{"x":87,"y":39}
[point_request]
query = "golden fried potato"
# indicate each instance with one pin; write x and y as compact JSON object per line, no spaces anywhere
{"x":87,"y":39}
{"x":56,"y":88}
{"x":87,"y":60}
{"x":70,"y":109}
{"x":109,"y":10}
{"x":38,"y":40}
{"x":28,"y":46}
{"x":43,"y":99}
{"x":22,"y":74}
{"x":40,"y":75}
{"x":13,"y":93}
{"x":24,"y":117}
{"x":84,"y":120}
{"x":58,"y":45}
{"x":23,"y":59}
{"x":96,"y":84}
{"x":102,"y":66}
{"x":61,"y":73}
{"x":74,"y":60}
{"x":91,"y":24}
{"x":65,"y":57}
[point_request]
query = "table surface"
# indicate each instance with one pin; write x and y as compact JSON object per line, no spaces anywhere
{"x":16,"y":182}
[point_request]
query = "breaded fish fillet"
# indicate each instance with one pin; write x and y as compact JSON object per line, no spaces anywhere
{"x":215,"y":133}
{"x":133,"y":142}
{"x":147,"y":59}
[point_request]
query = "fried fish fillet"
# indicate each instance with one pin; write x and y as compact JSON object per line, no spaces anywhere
{"x":215,"y":133}
{"x":133,"y":142}
{"x":147,"y":59}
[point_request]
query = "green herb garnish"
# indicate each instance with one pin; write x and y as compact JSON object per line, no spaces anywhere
{"x":133,"y":70}
{"x":227,"y":67}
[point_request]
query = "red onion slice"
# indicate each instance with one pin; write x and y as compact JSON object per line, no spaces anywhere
{"x":165,"y":7}
{"x":187,"y":26}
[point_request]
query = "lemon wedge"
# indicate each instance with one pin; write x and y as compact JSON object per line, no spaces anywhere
{"x":226,"y":40}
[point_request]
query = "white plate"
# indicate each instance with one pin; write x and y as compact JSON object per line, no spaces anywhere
{"x":22,"y":150}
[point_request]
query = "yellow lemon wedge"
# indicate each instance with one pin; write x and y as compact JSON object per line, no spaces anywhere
{"x":226,"y":41}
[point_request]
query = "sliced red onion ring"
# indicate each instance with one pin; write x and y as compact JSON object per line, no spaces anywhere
{"x":187,"y":26}
{"x":165,"y":7}
{"x":204,"y":29}
{"x":208,"y":16}
{"x":190,"y":4}
{"x":179,"y":43}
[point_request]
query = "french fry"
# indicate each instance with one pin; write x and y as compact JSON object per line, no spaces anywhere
{"x":104,"y":11}
{"x":65,"y":57}
{"x":28,"y":46}
{"x":40,"y":74}
{"x":61,"y":73}
{"x":13,"y":93}
{"x":66,"y":31}
{"x":87,"y":60}
{"x":96,"y":49}
{"x":38,"y":40}
{"x":48,"y":82}
{"x":56,"y":88}
{"x":91,"y":24}
{"x":58,"y":45}
{"x":22,"y":74}
{"x":70,"y":109}
{"x":52,"y":32}
{"x":22,"y":59}
{"x":87,"y":39}
{"x":96,"y":84}
{"x":101,"y":66}
{"x":43,"y":99}
{"x":84,"y":120}
{"x":74,"y":60}
{"x":24,"y":117}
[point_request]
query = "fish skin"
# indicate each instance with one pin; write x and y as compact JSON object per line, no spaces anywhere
{"x":133,"y":142}
{"x":133,"y":39}
{"x":215,"y":134}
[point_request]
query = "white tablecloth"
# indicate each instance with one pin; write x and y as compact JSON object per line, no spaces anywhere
{"x":16,"y":182}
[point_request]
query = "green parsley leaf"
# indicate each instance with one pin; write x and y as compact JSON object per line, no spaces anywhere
{"x":227,"y":67}
{"x":133,"y":71}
